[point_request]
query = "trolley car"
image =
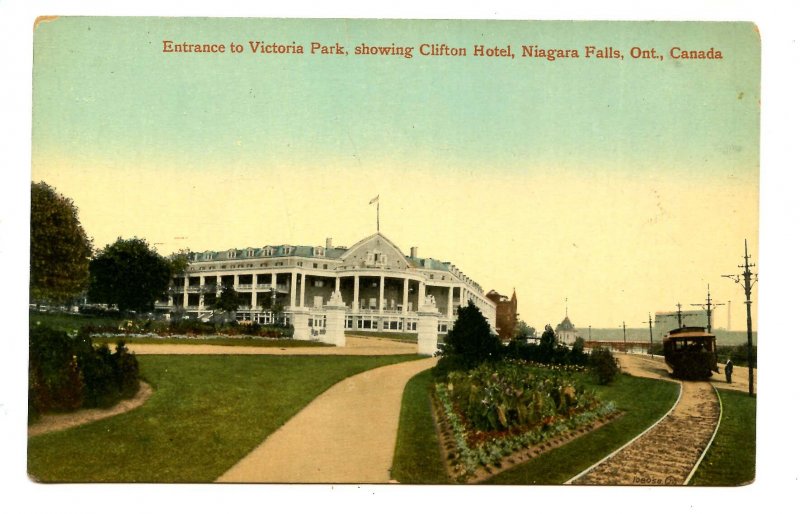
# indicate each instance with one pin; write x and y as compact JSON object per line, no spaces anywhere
{"x":691,"y":352}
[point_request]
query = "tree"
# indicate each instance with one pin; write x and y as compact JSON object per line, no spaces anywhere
{"x":129,"y":274}
{"x":60,"y":249}
{"x":469,"y":343}
{"x":227,"y":301}
{"x":275,"y":307}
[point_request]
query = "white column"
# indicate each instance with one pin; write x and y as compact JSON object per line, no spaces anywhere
{"x":202,"y":302}
{"x":219,"y":286}
{"x":336,"y":288}
{"x":292,"y":290}
{"x":421,"y":295}
{"x":427,"y":328}
{"x":405,"y":295}
{"x":450,"y":303}
{"x":355,"y":293}
{"x":274,"y":280}
{"x":254,"y":293}
{"x":185,"y":292}
{"x":235,"y":280}
{"x":302,"y":289}
{"x":380,"y":295}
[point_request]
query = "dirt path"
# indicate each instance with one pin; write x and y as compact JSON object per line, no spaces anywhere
{"x":346,"y":435}
{"x":55,"y":422}
{"x":354,"y":345}
{"x":668,"y":452}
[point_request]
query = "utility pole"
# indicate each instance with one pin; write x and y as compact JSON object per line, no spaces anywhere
{"x":678,"y":315}
{"x":749,"y":280}
{"x":624,"y":333}
{"x":708,"y":307}
{"x":650,"y":322}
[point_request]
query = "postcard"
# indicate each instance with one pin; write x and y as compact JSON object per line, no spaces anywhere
{"x":391,"y":251}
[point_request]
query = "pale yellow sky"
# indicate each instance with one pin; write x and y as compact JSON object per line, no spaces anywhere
{"x":617,"y":248}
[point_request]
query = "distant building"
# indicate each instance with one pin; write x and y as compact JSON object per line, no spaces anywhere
{"x":506,"y":309}
{"x":566,"y":332}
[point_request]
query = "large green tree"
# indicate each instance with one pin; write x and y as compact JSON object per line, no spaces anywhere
{"x":469,"y":343}
{"x":60,"y":249}
{"x":129,"y":274}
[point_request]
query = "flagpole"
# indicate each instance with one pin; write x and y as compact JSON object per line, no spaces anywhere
{"x":378,"y":211}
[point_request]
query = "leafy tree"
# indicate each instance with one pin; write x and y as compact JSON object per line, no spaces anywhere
{"x":547,"y":345}
{"x":523,"y":331}
{"x":60,"y":249}
{"x":577,"y":355}
{"x":276,"y":307}
{"x":469,"y":343}
{"x":179,"y":261}
{"x":227,"y":301}
{"x":129,"y":274}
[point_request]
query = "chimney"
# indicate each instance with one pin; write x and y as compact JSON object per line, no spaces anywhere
{"x":328,"y":243}
{"x":413,"y":252}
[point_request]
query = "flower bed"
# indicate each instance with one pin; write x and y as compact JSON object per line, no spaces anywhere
{"x":494,"y":411}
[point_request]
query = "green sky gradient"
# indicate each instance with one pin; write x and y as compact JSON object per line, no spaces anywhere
{"x":103,"y":84}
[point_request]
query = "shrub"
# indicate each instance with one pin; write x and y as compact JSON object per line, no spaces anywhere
{"x":66,"y":373}
{"x":603,"y":364}
{"x":469,"y":343}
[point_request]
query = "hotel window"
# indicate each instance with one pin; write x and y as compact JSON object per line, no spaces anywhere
{"x":318,"y":283}
{"x":319,"y":251}
{"x":324,"y":266}
{"x":315,"y":265}
{"x":231,"y":254}
{"x":251,"y":253}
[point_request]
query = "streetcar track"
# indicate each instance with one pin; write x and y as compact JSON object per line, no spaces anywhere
{"x":670,"y":450}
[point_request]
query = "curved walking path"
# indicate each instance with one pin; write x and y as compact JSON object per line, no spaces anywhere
{"x":354,"y":345}
{"x":668,"y":452}
{"x":346,"y":435}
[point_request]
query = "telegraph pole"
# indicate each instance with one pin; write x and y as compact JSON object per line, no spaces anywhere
{"x":650,"y":322}
{"x":708,"y":307}
{"x":749,"y":280}
{"x":624,"y":333}
{"x":678,"y":315}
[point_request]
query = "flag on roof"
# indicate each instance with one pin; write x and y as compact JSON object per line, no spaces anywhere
{"x":374,"y":199}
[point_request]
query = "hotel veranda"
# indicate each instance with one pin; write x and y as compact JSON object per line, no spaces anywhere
{"x":381,"y":288}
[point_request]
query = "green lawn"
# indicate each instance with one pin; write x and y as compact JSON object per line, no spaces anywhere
{"x":218,"y":341}
{"x":644,"y":401}
{"x":417,"y":459}
{"x":731,"y":459}
{"x":206,"y":413}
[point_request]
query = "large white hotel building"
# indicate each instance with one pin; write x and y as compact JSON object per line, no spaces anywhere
{"x":381,"y":287}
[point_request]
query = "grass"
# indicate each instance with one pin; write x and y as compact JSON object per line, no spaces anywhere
{"x":731,"y":459}
{"x":403,"y":337}
{"x":643,"y":400}
{"x":206,"y":413}
{"x":217,"y":341}
{"x":417,"y":458}
{"x":71,"y":322}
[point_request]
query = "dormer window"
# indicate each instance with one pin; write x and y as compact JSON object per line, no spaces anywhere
{"x":251,"y":253}
{"x":208,"y":256}
{"x":231,"y":254}
{"x":319,"y":251}
{"x":286,"y":250}
{"x":268,"y":251}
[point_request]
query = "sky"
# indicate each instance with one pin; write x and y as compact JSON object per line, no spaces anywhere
{"x":618,"y":187}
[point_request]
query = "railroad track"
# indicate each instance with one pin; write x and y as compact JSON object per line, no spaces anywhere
{"x":669,"y":451}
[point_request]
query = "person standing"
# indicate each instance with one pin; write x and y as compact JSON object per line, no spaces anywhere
{"x":728,"y":370}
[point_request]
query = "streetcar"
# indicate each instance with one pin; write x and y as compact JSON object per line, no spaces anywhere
{"x":691,"y":353}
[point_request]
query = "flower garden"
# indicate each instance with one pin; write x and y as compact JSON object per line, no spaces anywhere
{"x":500,"y":414}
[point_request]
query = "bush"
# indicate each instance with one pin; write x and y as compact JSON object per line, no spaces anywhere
{"x":66,"y":373}
{"x":603,"y":364}
{"x":469,"y":343}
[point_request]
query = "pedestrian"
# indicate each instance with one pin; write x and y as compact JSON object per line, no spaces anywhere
{"x":728,"y":370}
